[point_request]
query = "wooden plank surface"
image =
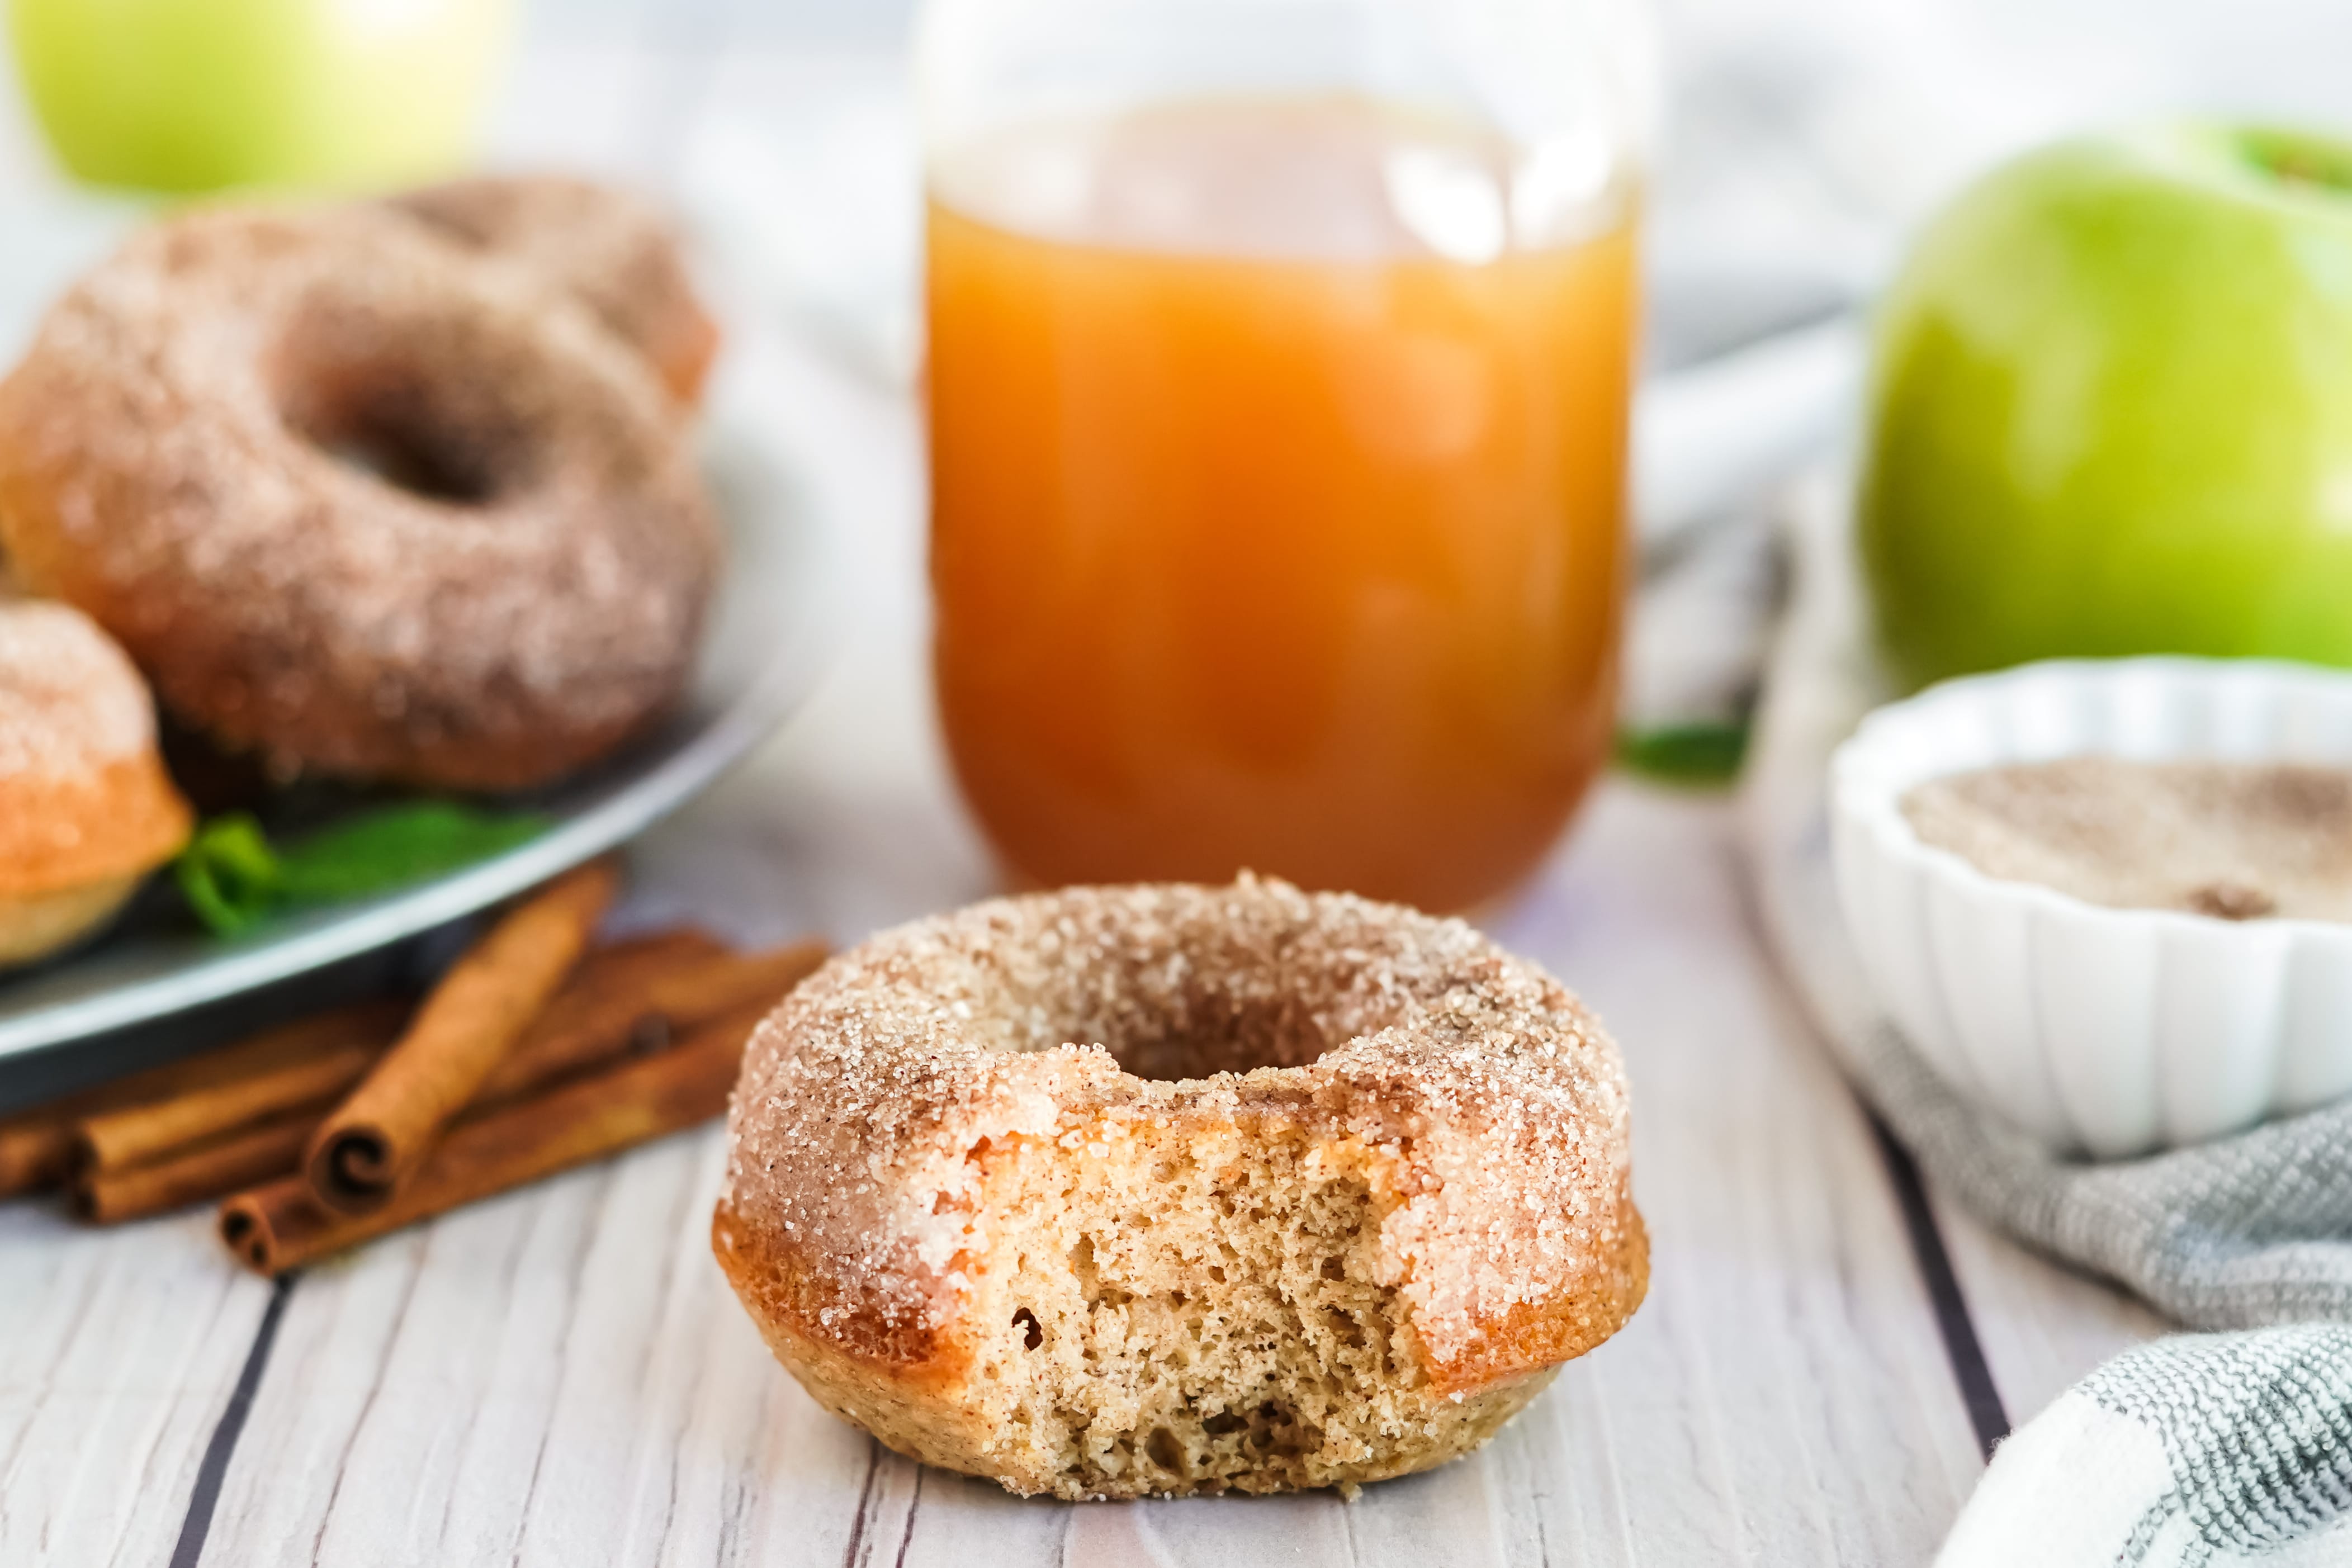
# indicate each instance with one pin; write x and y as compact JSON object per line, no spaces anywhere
{"x":118,"y":1354}
{"x":559,"y":1376}
{"x":2042,"y":1326}
{"x":1784,"y":1395}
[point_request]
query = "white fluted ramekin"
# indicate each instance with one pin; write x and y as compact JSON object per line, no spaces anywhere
{"x":2113,"y":1031}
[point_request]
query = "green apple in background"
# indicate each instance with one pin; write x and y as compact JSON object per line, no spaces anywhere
{"x":2112,"y":409}
{"x":193,"y":95}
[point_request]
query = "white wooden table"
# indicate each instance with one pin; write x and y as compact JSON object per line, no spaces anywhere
{"x":560,"y":1376}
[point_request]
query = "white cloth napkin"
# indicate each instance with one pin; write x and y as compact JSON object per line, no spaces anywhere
{"x":2197,"y":1451}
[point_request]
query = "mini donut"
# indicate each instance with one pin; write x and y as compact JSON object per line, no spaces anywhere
{"x":358,"y":501}
{"x":1167,"y":1189}
{"x":86,"y":809}
{"x":610,"y":246}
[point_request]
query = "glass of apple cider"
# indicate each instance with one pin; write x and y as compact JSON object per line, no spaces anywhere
{"x":1280,"y":358}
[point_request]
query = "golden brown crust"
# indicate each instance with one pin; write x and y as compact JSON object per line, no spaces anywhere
{"x":85,"y":807}
{"x":1544,"y":1334}
{"x":41,"y":924}
{"x":784,"y":1286}
{"x":610,"y":246}
{"x":122,"y":818}
{"x":884,"y":1109}
{"x":528,"y":596}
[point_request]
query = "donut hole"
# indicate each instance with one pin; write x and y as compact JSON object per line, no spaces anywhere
{"x":393,"y":440}
{"x":418,"y":406}
{"x":1207,"y":1012}
{"x":1208,"y":1031}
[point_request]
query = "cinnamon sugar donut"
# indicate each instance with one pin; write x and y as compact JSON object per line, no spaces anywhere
{"x":85,"y":808}
{"x":610,"y":246}
{"x":360,"y":501}
{"x":1161,"y":1189}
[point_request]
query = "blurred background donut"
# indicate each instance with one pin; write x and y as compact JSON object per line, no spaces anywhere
{"x":359,"y":501}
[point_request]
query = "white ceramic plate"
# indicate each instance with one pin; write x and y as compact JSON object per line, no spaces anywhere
{"x":761,"y":657}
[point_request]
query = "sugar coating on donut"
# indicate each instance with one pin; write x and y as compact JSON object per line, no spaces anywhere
{"x":1129,"y":1190}
{"x":71,"y":702}
{"x":611,"y":248}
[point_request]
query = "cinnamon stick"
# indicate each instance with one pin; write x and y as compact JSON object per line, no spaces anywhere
{"x":197,"y":1175}
{"x":213,"y":1142}
{"x":37,"y":1147}
{"x":35,"y":1152}
{"x":652,"y":1004}
{"x":347,"y":1042}
{"x":369,"y":1144}
{"x":600,"y":997}
{"x":282,"y":1226}
{"x":624,"y":966}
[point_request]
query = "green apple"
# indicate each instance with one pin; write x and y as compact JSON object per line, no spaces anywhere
{"x":2112,"y":409}
{"x":196,"y":95}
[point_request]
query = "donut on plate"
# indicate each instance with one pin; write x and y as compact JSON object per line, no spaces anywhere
{"x":611,"y":248}
{"x":1157,"y":1189}
{"x":86,"y":809}
{"x":359,"y":501}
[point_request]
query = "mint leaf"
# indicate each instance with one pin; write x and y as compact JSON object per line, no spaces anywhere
{"x":1705,"y":753}
{"x":229,"y":875}
{"x":234,"y":878}
{"x":399,"y":844}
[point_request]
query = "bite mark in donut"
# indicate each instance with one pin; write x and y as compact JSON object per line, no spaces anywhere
{"x":1001,"y":1192}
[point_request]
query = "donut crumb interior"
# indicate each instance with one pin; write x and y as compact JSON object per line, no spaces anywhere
{"x":1194,"y":1314}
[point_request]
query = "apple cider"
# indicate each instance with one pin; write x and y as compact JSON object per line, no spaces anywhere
{"x":1278,"y":489}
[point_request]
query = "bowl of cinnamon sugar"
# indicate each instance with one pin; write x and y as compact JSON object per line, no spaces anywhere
{"x":2111,"y":900}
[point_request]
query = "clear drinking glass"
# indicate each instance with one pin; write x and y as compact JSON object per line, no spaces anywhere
{"x":1280,"y":354}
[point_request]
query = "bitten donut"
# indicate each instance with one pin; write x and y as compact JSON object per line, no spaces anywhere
{"x":610,"y":246}
{"x":1161,"y":1189}
{"x":86,"y":809}
{"x":359,"y":501}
